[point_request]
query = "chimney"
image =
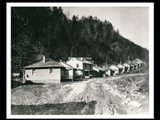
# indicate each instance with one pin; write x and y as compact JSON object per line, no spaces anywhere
{"x":44,"y":59}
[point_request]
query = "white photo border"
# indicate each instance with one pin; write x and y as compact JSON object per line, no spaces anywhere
{"x":105,"y":4}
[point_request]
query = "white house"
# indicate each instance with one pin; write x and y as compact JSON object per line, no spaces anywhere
{"x":114,"y":69}
{"x":139,"y":62}
{"x":132,"y":65}
{"x":106,"y":71}
{"x":121,"y":68}
{"x":127,"y":67}
{"x":96,"y":72}
{"x":47,"y":71}
{"x":82,"y":66}
{"x":135,"y":65}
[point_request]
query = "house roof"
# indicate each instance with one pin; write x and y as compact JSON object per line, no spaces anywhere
{"x":66,"y":65}
{"x":138,"y":60}
{"x":82,"y":60}
{"x":41,"y":64}
{"x":97,"y":68}
{"x":120,"y":66}
{"x":113,"y":67}
{"x":105,"y":68}
{"x":126,"y":64}
{"x":85,"y":61}
{"x":131,"y":62}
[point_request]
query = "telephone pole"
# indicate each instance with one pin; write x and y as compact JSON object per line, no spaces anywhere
{"x":106,"y":60}
{"x":120,"y":60}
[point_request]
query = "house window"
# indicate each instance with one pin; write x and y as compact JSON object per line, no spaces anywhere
{"x":33,"y":72}
{"x":77,"y":65}
{"x":66,"y":72}
{"x":90,"y":66}
{"x":51,"y":70}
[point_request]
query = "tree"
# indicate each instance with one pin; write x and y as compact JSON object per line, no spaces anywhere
{"x":48,"y":31}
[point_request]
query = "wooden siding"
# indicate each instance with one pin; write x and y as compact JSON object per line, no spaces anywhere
{"x":43,"y":74}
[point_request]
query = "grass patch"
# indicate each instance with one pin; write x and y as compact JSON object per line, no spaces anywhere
{"x":125,"y":83}
{"x":71,"y":108}
{"x":15,"y":84}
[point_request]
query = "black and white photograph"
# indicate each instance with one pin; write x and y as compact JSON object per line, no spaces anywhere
{"x":80,"y":60}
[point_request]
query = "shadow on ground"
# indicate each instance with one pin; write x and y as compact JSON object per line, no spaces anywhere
{"x":15,"y":84}
{"x":28,"y":82}
{"x":71,"y":108}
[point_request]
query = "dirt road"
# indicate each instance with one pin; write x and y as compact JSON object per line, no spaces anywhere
{"x":115,"y":95}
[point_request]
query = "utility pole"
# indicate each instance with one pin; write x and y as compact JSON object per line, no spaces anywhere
{"x":120,"y":60}
{"x":129,"y":59}
{"x":132,"y":57}
{"x":106,"y":60}
{"x":72,"y":51}
{"x":72,"y":74}
{"x":49,"y":50}
{"x":124,"y":58}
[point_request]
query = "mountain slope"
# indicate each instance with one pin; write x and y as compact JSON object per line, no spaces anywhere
{"x":41,"y":30}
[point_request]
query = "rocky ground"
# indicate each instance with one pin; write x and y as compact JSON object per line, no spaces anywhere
{"x":116,"y":95}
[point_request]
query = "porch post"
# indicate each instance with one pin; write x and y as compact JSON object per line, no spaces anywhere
{"x":72,"y":74}
{"x":23,"y":71}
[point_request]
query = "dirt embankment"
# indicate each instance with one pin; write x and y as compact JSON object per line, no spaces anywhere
{"x":99,"y":96}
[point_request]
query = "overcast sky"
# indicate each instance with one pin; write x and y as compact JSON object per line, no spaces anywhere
{"x":132,"y":22}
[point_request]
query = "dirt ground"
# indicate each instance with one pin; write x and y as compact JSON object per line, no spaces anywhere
{"x":116,"y":95}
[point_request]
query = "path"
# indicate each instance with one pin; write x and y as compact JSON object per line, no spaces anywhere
{"x":107,"y":95}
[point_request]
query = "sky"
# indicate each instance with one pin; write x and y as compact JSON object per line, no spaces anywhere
{"x":132,"y":22}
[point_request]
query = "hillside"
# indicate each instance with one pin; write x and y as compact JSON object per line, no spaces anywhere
{"x":42,"y":30}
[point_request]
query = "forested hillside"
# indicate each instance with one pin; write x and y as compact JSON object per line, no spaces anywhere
{"x":48,"y":31}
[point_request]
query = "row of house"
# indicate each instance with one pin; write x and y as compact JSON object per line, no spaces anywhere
{"x":114,"y":69}
{"x":48,"y":70}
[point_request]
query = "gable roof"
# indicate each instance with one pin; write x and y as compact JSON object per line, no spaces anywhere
{"x":113,"y":67}
{"x":66,"y":65}
{"x":105,"y":68}
{"x":47,"y":64}
{"x":82,"y":60}
{"x":120,"y":65}
{"x":97,"y":68}
{"x":138,"y":60}
{"x":131,"y":63}
{"x":126,"y":65}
